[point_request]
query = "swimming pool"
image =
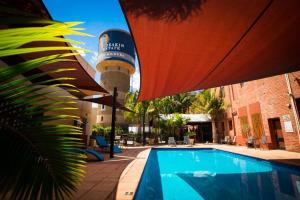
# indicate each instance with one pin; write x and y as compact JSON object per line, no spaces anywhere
{"x":214,"y":174}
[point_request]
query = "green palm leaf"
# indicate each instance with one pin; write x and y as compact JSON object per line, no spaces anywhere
{"x":37,"y":141}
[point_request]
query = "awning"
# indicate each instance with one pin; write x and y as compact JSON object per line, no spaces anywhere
{"x":83,"y":73}
{"x":196,"y":44}
{"x":108,"y":101}
{"x":192,"y":118}
{"x":83,"y":80}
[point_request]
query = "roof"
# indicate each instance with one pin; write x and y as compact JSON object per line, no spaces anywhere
{"x":192,"y":118}
{"x":191,"y":45}
{"x":114,"y":29}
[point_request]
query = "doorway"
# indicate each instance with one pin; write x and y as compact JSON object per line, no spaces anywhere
{"x":276,"y":133}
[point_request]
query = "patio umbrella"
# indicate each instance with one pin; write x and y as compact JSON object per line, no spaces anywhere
{"x":108,"y":101}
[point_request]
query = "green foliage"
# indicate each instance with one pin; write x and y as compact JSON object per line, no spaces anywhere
{"x":37,"y":144}
{"x":191,"y":134}
{"x":245,"y":127}
{"x":105,"y":130}
{"x":172,"y":123}
{"x":179,"y":103}
{"x":207,"y":102}
{"x":98,"y":130}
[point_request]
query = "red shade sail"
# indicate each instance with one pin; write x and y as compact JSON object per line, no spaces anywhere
{"x":212,"y":43}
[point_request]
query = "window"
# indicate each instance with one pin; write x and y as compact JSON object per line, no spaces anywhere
{"x":232,"y":91}
{"x":230,"y":124}
{"x":102,"y":107}
{"x":101,"y":118}
{"x":119,"y":68}
{"x":222,"y":92}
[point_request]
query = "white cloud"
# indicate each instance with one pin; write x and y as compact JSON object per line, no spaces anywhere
{"x":94,"y":57}
{"x":135,"y":81}
{"x":82,"y":53}
{"x":94,"y":105}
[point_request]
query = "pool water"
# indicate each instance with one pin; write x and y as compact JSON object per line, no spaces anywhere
{"x":215,"y":174}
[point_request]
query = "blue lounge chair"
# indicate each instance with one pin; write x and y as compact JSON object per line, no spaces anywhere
{"x":93,"y":152}
{"x":101,"y":142}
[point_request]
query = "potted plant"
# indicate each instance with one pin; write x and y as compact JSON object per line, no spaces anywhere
{"x":192,"y":136}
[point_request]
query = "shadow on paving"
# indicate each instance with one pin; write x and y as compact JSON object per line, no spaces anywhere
{"x":102,"y":178}
{"x":293,"y":162}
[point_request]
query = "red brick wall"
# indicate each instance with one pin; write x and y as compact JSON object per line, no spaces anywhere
{"x":270,"y":96}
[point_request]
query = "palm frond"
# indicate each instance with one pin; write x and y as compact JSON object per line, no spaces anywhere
{"x":37,"y":141}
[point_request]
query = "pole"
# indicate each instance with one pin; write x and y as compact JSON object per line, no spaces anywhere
{"x":113,"y":124}
{"x":144,"y":116}
{"x":232,"y":116}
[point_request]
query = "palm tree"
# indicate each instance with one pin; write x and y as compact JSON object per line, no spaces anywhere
{"x":153,"y":115}
{"x":140,"y":111}
{"x":36,"y":143}
{"x":207,"y":102}
{"x":131,"y":103}
{"x":182,"y":102}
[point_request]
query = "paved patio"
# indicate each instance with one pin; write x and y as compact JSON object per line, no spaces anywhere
{"x":102,"y":178}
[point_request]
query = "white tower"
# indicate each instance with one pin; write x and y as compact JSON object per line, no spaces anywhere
{"x":116,"y":64}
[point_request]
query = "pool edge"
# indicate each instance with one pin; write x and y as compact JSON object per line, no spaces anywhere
{"x":131,"y":175}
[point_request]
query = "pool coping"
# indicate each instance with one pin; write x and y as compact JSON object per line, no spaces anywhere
{"x":130,"y":177}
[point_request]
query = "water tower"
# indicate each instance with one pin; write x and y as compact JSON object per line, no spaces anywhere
{"x":116,"y":64}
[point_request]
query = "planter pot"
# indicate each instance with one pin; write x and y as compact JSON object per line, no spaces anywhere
{"x":92,"y":142}
{"x":191,"y":141}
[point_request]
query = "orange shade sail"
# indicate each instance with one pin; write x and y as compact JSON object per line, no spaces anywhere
{"x":189,"y":45}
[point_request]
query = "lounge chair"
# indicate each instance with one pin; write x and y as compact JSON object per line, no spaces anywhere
{"x":233,"y":141}
{"x":186,"y":140}
{"x":226,"y":140}
{"x":101,"y":142}
{"x":171,"y":141}
{"x":130,"y":142}
{"x":250,"y":142}
{"x":93,"y":152}
{"x":161,"y":141}
{"x":263,"y":141}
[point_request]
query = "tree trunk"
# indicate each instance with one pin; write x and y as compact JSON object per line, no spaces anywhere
{"x":214,"y":131}
{"x":144,"y":134}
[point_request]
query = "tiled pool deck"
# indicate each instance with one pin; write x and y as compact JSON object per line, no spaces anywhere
{"x":102,"y":178}
{"x":105,"y":180}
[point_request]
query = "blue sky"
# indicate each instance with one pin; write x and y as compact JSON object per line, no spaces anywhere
{"x":98,"y":16}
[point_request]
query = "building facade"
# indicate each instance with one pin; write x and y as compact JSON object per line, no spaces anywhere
{"x":268,"y":106}
{"x":116,"y":65}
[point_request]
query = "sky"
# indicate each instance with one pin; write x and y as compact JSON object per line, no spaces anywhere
{"x":98,"y":16}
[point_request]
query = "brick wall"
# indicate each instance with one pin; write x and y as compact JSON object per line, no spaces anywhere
{"x":270,"y":95}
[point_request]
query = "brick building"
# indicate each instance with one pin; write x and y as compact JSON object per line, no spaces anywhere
{"x":263,"y":107}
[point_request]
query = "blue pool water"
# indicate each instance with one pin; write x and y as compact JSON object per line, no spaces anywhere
{"x":214,"y":174}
